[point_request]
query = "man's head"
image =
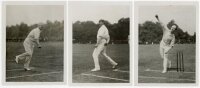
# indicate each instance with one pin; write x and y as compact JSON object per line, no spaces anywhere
{"x":174,"y":27}
{"x":101,"y":22}
{"x":41,"y":26}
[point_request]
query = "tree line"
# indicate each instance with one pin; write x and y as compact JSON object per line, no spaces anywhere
{"x":53,"y":31}
{"x":86,"y":31}
{"x":150,"y":32}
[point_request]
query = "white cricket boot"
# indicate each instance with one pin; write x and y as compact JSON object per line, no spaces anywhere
{"x":95,"y":69}
{"x":115,"y":66}
{"x":27,"y":69}
{"x":164,"y":71}
{"x":17,"y":59}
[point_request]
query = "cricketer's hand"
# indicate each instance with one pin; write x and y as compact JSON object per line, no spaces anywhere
{"x":39,"y":46}
{"x":156,"y":16}
{"x":105,"y":44}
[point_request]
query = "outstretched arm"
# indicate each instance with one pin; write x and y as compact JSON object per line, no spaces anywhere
{"x":159,"y":21}
{"x":157,"y":17}
{"x":38,"y":43}
{"x":37,"y":37}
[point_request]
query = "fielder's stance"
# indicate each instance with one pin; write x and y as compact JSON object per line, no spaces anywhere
{"x":29,"y":43}
{"x":166,"y":43}
{"x":103,"y":39}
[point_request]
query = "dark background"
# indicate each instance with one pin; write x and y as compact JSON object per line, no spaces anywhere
{"x":151,"y":32}
{"x":86,"y":31}
{"x":53,"y":31}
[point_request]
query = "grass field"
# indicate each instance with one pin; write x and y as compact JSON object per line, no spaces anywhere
{"x":83,"y":63}
{"x":47,"y":63}
{"x":150,"y":65}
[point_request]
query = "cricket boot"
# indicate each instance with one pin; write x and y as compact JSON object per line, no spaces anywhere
{"x":95,"y":69}
{"x":17,"y":59}
{"x":27,"y":69}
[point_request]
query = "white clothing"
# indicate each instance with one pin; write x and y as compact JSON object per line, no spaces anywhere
{"x":103,"y":34}
{"x":102,"y":38}
{"x":34,"y":34}
{"x":29,"y":43}
{"x":166,"y":44}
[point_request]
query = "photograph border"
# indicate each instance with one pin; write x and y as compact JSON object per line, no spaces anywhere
{"x":4,"y":4}
{"x":137,"y":4}
{"x":70,"y":45}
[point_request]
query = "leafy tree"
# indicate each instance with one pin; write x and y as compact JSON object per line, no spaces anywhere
{"x":152,"y":32}
{"x":53,"y":31}
{"x":85,"y":32}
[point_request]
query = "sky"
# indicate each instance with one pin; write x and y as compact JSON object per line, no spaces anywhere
{"x":94,"y":11}
{"x":184,"y":16}
{"x":31,"y":14}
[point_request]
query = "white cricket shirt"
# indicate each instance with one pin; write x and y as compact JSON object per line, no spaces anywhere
{"x":168,"y":38}
{"x":34,"y":34}
{"x":103,"y":32}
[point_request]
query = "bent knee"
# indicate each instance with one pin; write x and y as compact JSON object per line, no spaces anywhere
{"x":94,"y":55}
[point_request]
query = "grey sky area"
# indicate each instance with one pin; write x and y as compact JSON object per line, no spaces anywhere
{"x":184,"y":16}
{"x":31,"y":14}
{"x":94,"y":11}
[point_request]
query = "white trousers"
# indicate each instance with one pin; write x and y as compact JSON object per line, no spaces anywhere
{"x":29,"y":46}
{"x":164,"y":50}
{"x":101,"y":49}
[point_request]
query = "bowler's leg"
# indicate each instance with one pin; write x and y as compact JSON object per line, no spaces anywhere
{"x":27,"y":62}
{"x":165,"y":59}
{"x":23,"y":55}
{"x":96,"y":60}
{"x":108,"y":58}
{"x":95,"y":56}
{"x":28,"y":58}
{"x":165,"y":63}
{"x":161,"y":52}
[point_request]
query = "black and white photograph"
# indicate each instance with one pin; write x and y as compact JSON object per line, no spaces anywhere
{"x":34,"y":42}
{"x":167,"y":42}
{"x":100,"y":41}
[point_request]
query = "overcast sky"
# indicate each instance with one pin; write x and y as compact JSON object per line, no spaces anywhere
{"x":184,"y":16}
{"x":31,"y":14}
{"x":94,"y":11}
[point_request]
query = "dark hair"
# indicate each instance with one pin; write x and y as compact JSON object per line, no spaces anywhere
{"x":175,"y":25}
{"x":101,"y":21}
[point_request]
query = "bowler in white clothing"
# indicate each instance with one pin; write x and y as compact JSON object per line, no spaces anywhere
{"x":167,"y":43}
{"x":31,"y":40}
{"x":103,"y":39}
